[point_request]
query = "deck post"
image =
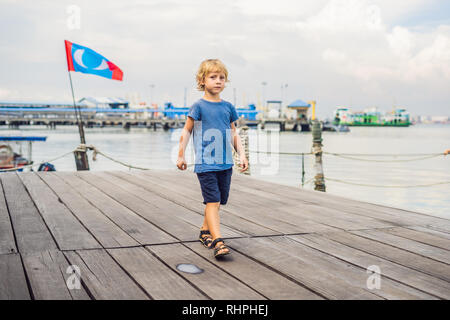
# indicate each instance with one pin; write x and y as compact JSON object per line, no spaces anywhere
{"x":81,"y":159}
{"x":319,"y":181}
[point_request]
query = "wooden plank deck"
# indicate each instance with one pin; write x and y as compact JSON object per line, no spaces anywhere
{"x":126,"y":232}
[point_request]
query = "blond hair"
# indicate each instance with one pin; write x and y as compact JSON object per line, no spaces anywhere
{"x":209,"y":66}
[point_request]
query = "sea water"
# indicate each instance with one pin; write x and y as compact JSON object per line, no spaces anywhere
{"x":391,"y":183}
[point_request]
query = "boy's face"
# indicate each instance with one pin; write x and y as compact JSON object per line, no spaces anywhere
{"x":215,"y":82}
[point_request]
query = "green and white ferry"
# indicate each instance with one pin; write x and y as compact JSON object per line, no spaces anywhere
{"x":372,"y":117}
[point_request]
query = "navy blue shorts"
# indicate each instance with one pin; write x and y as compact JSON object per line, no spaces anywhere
{"x":215,"y":185}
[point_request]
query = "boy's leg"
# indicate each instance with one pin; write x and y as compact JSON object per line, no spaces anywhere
{"x":212,"y":199}
{"x":223,"y":182}
{"x":211,"y":194}
{"x":212,"y":219}
{"x":205,"y":221}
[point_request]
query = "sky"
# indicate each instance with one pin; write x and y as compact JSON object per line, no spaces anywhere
{"x":353,"y":53}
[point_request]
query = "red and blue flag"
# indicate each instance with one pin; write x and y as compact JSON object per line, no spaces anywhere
{"x":85,"y":60}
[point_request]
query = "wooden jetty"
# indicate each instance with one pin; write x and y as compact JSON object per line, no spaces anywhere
{"x":125,"y":122}
{"x":126,"y":232}
{"x":90,"y":120}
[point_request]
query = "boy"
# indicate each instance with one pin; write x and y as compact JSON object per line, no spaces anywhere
{"x":212,"y":120}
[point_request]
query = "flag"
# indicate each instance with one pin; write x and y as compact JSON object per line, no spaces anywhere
{"x":85,"y":60}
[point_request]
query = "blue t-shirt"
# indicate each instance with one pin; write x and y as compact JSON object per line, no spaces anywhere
{"x":212,"y":134}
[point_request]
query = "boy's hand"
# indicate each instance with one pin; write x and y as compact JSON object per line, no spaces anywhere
{"x":243,"y":163}
{"x":181,"y":163}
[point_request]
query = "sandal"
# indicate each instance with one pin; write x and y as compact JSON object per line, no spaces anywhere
{"x":206,"y":241}
{"x":222,"y":248}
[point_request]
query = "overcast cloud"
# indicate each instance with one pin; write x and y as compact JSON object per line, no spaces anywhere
{"x":357,"y":53}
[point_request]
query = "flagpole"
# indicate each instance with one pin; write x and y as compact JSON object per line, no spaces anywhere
{"x":81,"y":159}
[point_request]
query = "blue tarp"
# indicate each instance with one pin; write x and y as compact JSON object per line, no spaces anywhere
{"x":22,"y":138}
{"x":171,"y":112}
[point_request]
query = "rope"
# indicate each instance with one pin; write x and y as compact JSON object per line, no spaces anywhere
{"x":37,"y":164}
{"x":350,"y":156}
{"x":387,"y":186}
{"x":83,"y":147}
{"x":289,"y":153}
{"x":399,"y":160}
{"x":309,"y":181}
{"x":386,"y":154}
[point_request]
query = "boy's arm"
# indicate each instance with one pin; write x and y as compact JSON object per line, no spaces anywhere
{"x":237,"y":144}
{"x":184,"y":140}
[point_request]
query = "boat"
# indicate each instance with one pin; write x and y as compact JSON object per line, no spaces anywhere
{"x":12,"y":150}
{"x":372,"y":117}
{"x":329,"y":126}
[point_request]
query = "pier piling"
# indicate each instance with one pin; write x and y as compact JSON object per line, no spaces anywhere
{"x":319,"y":182}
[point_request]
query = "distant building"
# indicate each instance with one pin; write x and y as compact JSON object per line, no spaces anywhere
{"x":38,"y":104}
{"x":439,"y":119}
{"x":301,"y":108}
{"x":432,"y":119}
{"x":105,"y":103}
{"x":273,"y":109}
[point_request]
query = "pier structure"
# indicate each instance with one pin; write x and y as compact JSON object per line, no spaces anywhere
{"x":130,"y":235}
{"x":90,"y":120}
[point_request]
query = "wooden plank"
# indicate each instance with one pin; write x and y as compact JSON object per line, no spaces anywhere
{"x":324,"y":282}
{"x":317,"y":213}
{"x":177,"y":228}
{"x":103,"y":277}
{"x":420,"y":236}
{"x":394,"y":215}
{"x":172,"y":193}
{"x":352,"y":274}
{"x":65,"y":228}
{"x":7,"y":242}
{"x":291,"y":217}
{"x":332,"y":217}
{"x":31,"y":233}
{"x":437,"y":233}
{"x":388,"y":269}
{"x":214,"y":282}
{"x":405,"y":258}
{"x":269,"y":283}
{"x":101,"y":227}
{"x":47,"y":274}
{"x":401,"y":216}
{"x":438,"y":227}
{"x":158,"y":280}
{"x":138,"y":186}
{"x":176,"y":210}
{"x":141,"y":230}
{"x":282,"y":223}
{"x":406,"y":244}
{"x":339,"y":210}
{"x":13,"y":284}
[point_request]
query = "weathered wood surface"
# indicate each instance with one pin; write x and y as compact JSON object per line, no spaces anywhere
{"x":126,"y":232}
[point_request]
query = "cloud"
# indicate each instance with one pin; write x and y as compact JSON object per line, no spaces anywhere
{"x":401,"y":41}
{"x":334,"y":51}
{"x":355,"y":41}
{"x":344,"y":16}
